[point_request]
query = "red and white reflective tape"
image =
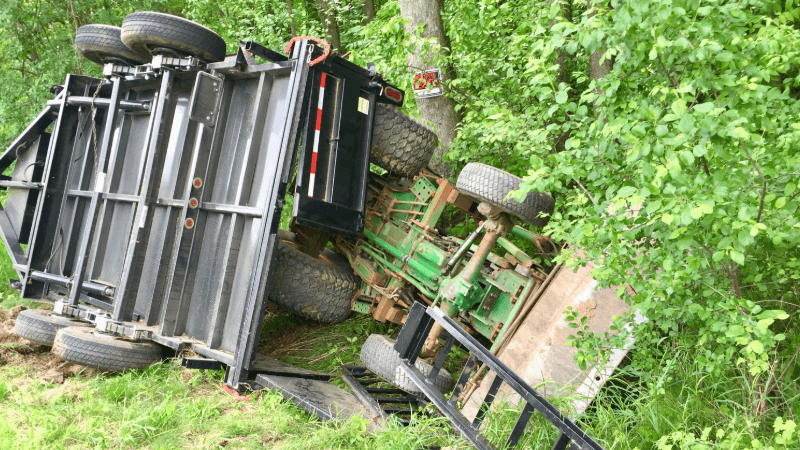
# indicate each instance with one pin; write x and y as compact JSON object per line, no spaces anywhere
{"x":316,"y":136}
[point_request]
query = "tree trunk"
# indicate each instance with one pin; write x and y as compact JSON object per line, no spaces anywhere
{"x":291,"y":17}
{"x":327,"y":14}
{"x":597,"y":69}
{"x":368,"y":9}
{"x":562,"y":57}
{"x":438,"y":110}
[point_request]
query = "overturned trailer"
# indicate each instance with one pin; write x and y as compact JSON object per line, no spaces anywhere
{"x":145,"y":205}
{"x":147,"y":202}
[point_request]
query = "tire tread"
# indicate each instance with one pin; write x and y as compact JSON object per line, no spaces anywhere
{"x":401,"y":144}
{"x":379,"y":356}
{"x":312,"y":288}
{"x":81,"y":346}
{"x":491,"y":185}
{"x":144,"y":28}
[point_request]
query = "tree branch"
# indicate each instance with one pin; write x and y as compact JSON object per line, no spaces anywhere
{"x":584,"y":190}
{"x":763,"y":180}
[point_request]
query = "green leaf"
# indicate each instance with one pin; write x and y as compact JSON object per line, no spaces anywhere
{"x":674,"y":167}
{"x":763,"y":325}
{"x":735,"y":331}
{"x":756,"y":347}
{"x":679,"y":107}
{"x":737,"y":257}
{"x":703,"y":107}
{"x":667,"y":218}
{"x":685,"y":243}
{"x":653,"y":207}
{"x":686,"y":124}
{"x":561,"y":97}
{"x":627,"y":191}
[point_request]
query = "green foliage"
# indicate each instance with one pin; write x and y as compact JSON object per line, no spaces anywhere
{"x":689,"y":149}
{"x":37,"y":49}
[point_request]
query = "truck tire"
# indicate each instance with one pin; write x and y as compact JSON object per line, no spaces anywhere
{"x":91,"y":348}
{"x":319,"y":288}
{"x":143,"y":31}
{"x":491,"y":185}
{"x":379,"y":356}
{"x":40,"y":326}
{"x":400,"y":144}
{"x":99,"y":42}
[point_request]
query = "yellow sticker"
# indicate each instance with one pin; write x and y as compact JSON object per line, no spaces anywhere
{"x":363,"y":105}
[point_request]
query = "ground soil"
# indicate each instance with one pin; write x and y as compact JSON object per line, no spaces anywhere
{"x":20,"y":352}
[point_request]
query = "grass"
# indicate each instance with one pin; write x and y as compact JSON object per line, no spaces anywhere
{"x":165,"y":406}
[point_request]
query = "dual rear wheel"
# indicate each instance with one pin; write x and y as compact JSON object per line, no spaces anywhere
{"x":145,"y":34}
{"x":80,"y":343}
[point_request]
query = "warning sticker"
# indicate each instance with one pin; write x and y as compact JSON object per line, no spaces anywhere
{"x":363,"y":105}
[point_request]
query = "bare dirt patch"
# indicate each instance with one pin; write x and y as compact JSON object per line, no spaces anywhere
{"x":17,"y":351}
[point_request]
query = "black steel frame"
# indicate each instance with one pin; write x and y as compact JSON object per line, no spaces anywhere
{"x":409,"y":343}
{"x":155,"y":192}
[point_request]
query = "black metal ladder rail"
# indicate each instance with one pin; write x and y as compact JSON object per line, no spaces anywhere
{"x":409,"y":343}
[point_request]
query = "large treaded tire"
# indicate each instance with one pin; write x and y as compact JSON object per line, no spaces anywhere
{"x":320,"y":289}
{"x":98,"y":42}
{"x":400,"y":144}
{"x":40,"y":326}
{"x":88,"y":347}
{"x":491,"y":185}
{"x":144,"y":30}
{"x":379,"y":355}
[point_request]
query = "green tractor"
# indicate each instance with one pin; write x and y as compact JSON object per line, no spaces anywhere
{"x":403,"y":255}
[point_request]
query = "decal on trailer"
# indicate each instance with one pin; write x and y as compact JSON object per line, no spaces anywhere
{"x":363,"y":105}
{"x":316,"y":136}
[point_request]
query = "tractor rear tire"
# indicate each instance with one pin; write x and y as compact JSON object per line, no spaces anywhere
{"x":91,"y":348}
{"x":379,"y":356}
{"x":40,"y":326}
{"x":97,"y":43}
{"x":491,"y":185}
{"x":318,"y":288}
{"x":400,"y":144}
{"x":145,"y":31}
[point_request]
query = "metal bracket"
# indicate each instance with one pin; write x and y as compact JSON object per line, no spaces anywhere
{"x":103,"y":320}
{"x":205,"y":99}
{"x":201,"y":363}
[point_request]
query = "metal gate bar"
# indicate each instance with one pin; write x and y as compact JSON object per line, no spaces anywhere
{"x":409,"y":343}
